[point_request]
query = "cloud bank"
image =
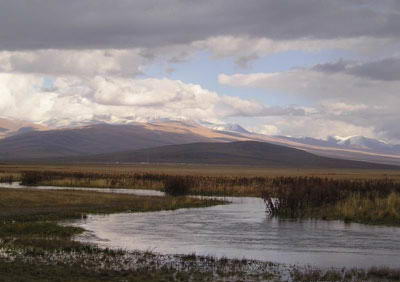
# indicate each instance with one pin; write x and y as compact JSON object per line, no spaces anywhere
{"x":363,"y":95}
{"x":117,"y":99}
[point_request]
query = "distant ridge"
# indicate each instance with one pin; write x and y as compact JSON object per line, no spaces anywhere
{"x":35,"y":142}
{"x":249,"y":153}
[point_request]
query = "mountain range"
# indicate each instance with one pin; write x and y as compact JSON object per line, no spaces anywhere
{"x":353,"y":142}
{"x":26,"y":141}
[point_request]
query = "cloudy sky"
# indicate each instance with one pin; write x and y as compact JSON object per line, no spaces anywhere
{"x":299,"y":68}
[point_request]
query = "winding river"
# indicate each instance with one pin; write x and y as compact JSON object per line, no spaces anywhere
{"x":241,"y":229}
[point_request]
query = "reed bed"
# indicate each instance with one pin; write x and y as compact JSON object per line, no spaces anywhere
{"x":377,"y":210}
{"x":197,"y":185}
{"x":366,"y":201}
{"x":9,"y":177}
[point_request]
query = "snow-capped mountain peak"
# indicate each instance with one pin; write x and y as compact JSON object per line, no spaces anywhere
{"x":229,"y":127}
{"x":360,"y":141}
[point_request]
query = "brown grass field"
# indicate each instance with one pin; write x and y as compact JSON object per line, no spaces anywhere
{"x":206,"y":170}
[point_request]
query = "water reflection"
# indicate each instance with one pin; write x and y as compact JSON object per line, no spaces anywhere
{"x":139,"y":192}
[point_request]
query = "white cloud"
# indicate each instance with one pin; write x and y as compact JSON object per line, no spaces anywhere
{"x":268,"y":129}
{"x":117,"y":99}
{"x":316,"y":85}
{"x":318,"y":127}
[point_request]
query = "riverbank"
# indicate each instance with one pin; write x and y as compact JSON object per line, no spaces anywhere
{"x":88,"y":263}
{"x":34,"y":247}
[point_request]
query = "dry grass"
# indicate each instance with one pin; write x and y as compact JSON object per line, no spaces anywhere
{"x":376,"y":210}
{"x":373,"y":201}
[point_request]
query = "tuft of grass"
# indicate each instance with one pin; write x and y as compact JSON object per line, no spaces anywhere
{"x":384,"y":273}
{"x":31,"y":178}
{"x":8,"y":177}
{"x":177,"y":186}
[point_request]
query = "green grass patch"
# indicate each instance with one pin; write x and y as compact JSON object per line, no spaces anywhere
{"x":38,"y":229}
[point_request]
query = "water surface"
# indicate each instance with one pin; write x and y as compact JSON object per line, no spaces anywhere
{"x":138,"y":192}
{"x":242,"y":230}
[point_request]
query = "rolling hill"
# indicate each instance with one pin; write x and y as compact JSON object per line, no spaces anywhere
{"x":233,"y":153}
{"x":104,"y":138}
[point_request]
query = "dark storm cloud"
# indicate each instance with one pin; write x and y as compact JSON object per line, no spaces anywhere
{"x":336,"y":67}
{"x":385,"y":70}
{"x":37,"y":24}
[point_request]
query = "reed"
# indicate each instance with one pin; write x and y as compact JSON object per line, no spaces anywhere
{"x":9,"y":177}
{"x":365,"y":209}
{"x":177,"y":185}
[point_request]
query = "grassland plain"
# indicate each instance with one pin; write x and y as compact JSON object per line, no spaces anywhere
{"x":209,"y":180}
{"x":352,"y":195}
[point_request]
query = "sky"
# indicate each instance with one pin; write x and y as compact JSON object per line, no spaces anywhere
{"x":311,"y":68}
